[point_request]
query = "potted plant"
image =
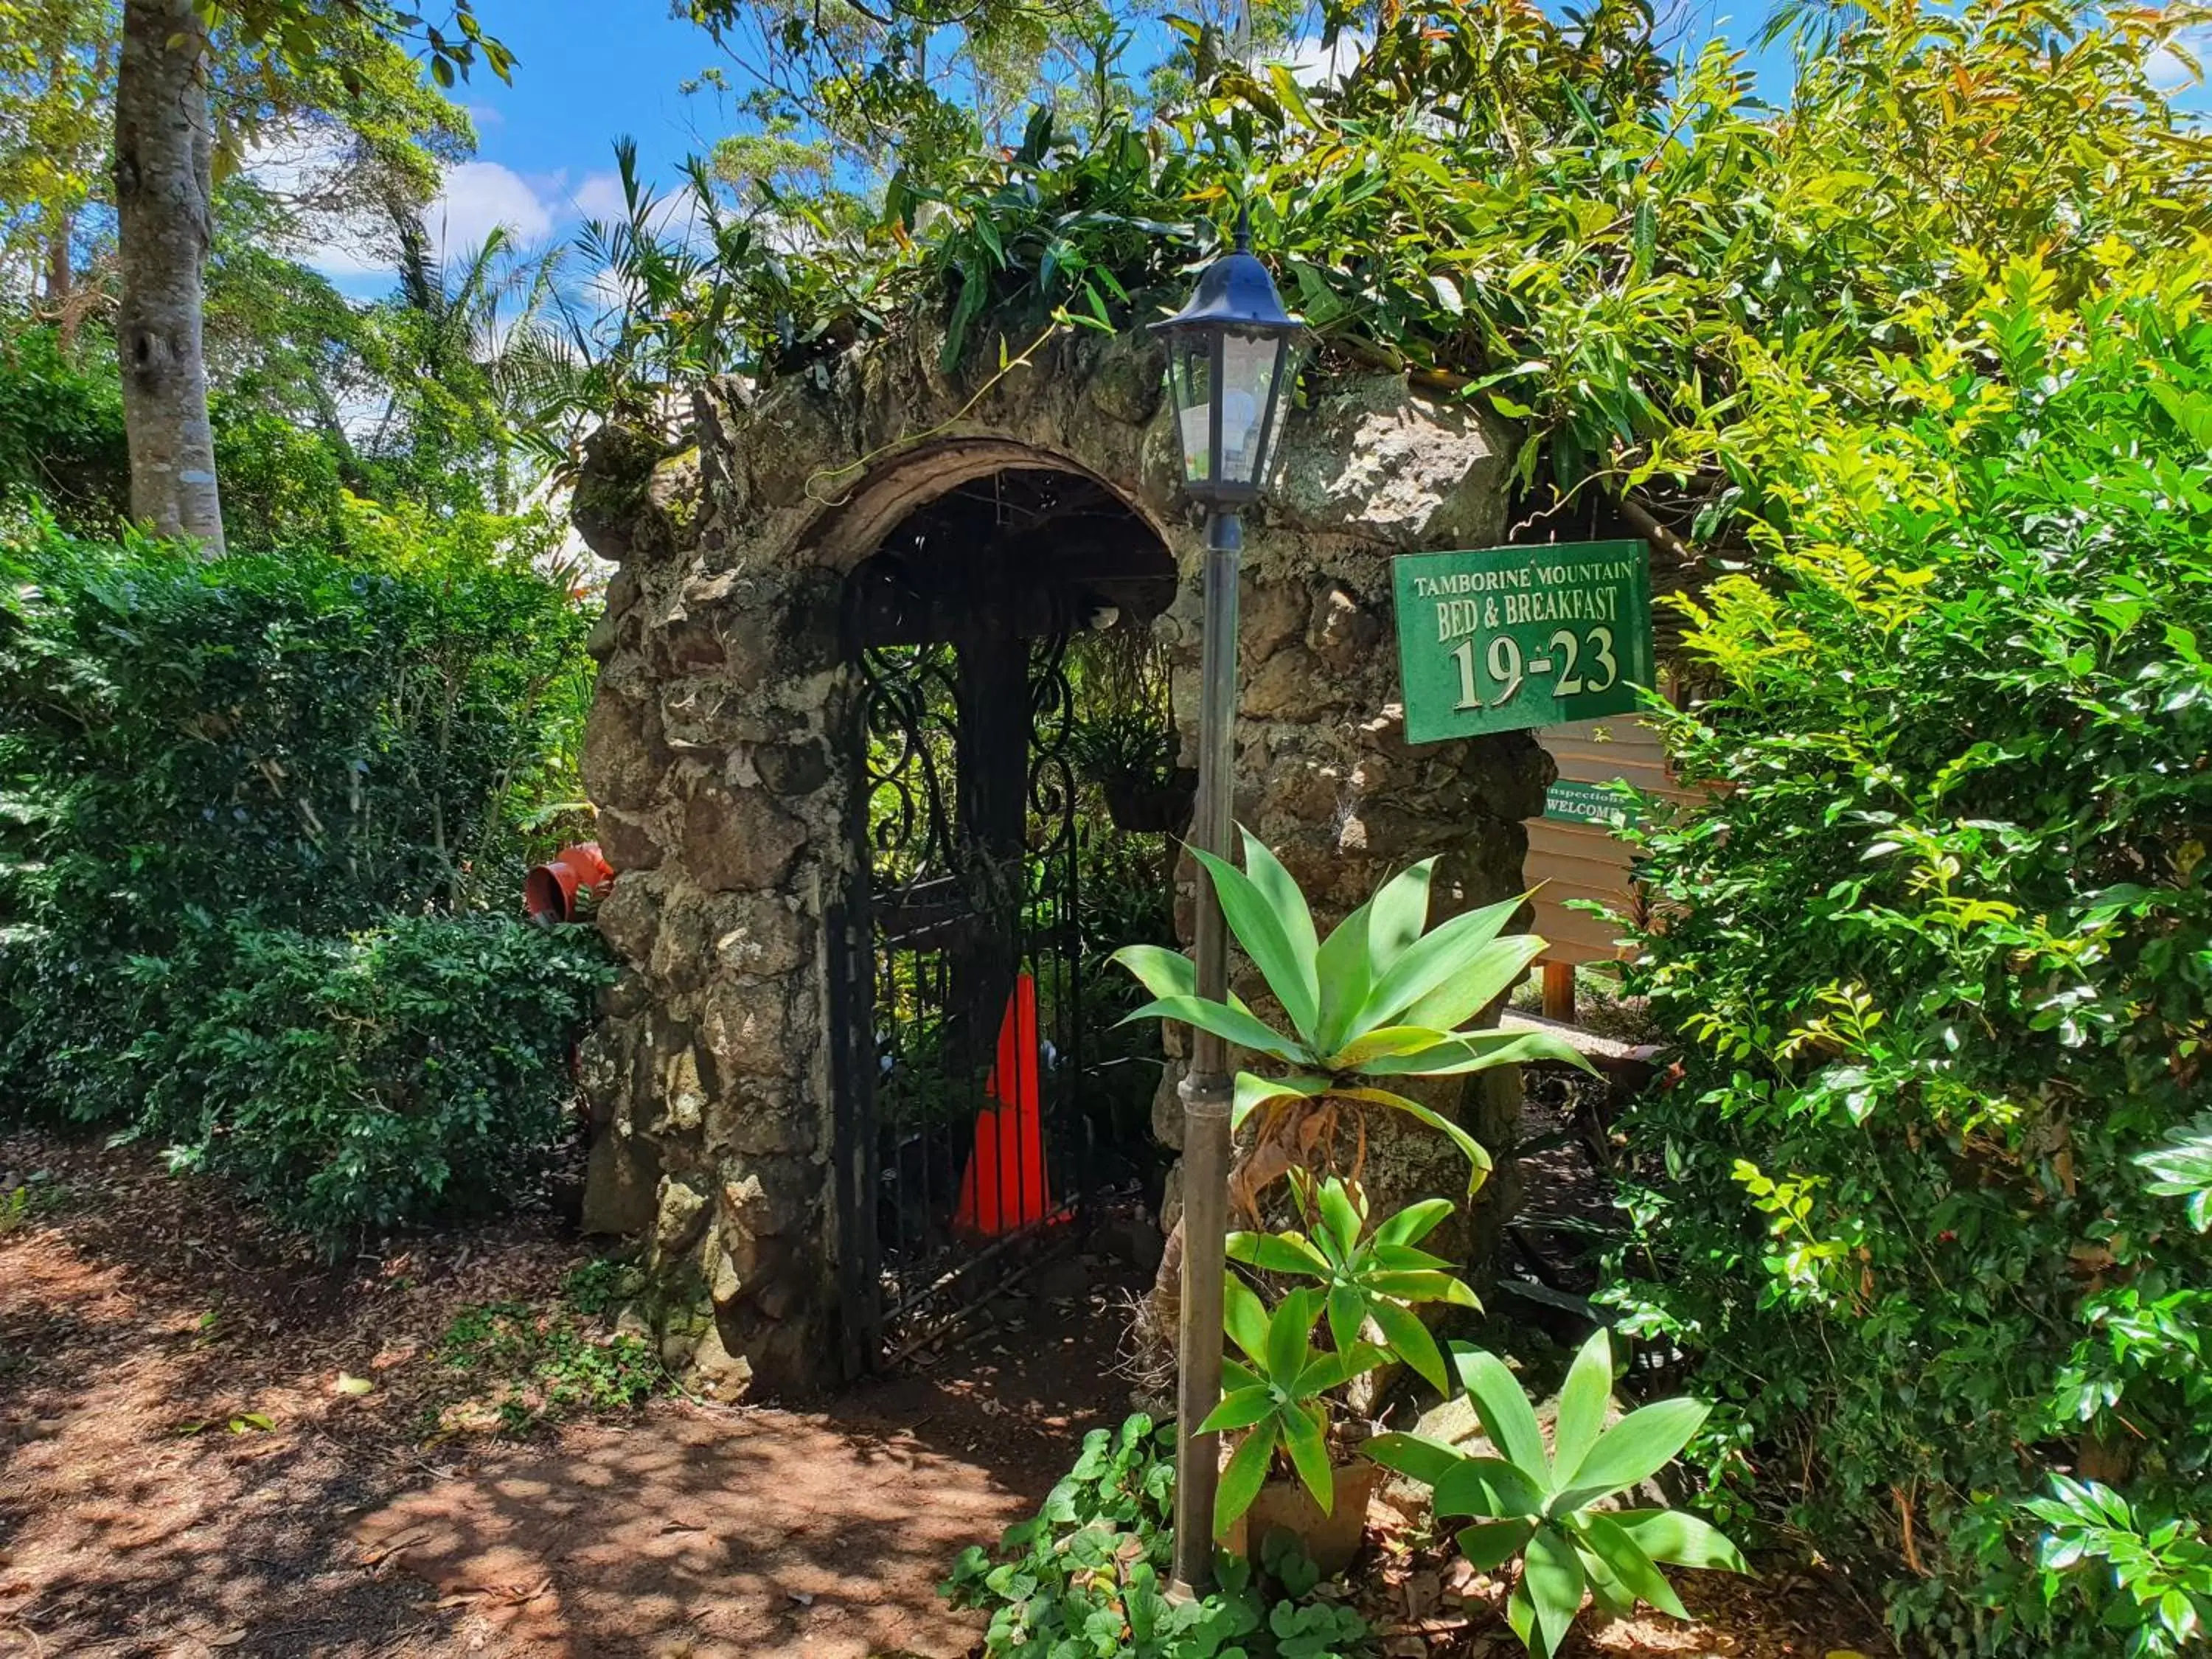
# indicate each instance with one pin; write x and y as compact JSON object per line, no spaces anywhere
{"x":1295,"y":1467}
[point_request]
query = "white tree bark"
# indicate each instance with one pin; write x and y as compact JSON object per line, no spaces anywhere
{"x":164,"y":180}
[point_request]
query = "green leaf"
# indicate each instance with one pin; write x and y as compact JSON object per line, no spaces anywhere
{"x":1347,"y":1315}
{"x":1611,"y":1594}
{"x":1681,"y":1541}
{"x":1488,"y":1487}
{"x":1341,"y":1216}
{"x":1635,"y":1449}
{"x":1505,"y":1410}
{"x":1243,"y":1475}
{"x":1493,"y":974}
{"x":1612,"y":1545}
{"x":1415,"y":1222}
{"x":1252,"y":918}
{"x":1277,"y":1252}
{"x":1292,"y":915}
{"x":1163,"y":972}
{"x":1478,"y":1051}
{"x":1411,"y":1340}
{"x":1245,"y":1318}
{"x":1230,"y":1024}
{"x":1396,"y":916}
{"x":1239,"y":1410}
{"x":1289,"y":1334}
{"x":1405,"y":1259}
{"x":1427,"y":1285}
{"x":1553,"y":1574}
{"x":1344,"y":977}
{"x":1425,"y":1460}
{"x":1304,"y":1439}
{"x":1489,"y":1545}
{"x":1333,"y":1371}
{"x":1387,"y":1043}
{"x":1253,"y":1091}
{"x":1521,"y":1615}
{"x":1583,"y":1399}
{"x":1441,"y":957}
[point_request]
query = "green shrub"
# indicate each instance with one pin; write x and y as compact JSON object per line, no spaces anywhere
{"x":415,"y":1072}
{"x":321,"y":740}
{"x":61,"y":431}
{"x":511,"y":1367}
{"x":63,"y":447}
{"x":1088,"y":1574}
{"x":245,"y":809}
{"x":1940,"y":945}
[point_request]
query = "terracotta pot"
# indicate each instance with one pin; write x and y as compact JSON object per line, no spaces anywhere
{"x":1284,"y":1505}
{"x":550,"y":891}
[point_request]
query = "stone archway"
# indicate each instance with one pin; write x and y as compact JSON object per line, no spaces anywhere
{"x":725,"y":799}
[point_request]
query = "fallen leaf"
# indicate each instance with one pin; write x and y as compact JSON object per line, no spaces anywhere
{"x":376,"y":1554}
{"x":245,"y":1421}
{"x":356,"y":1386}
{"x":230,"y":1638}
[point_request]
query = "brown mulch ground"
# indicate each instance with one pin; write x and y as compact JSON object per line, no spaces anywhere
{"x":182,"y":1474}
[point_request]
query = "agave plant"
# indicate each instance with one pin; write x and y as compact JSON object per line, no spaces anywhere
{"x":1364,"y":1275}
{"x":1549,"y":1510}
{"x":1383,"y":997}
{"x":1280,"y":1398}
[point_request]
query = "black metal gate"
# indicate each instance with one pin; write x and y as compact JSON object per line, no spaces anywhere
{"x":985,"y":1099}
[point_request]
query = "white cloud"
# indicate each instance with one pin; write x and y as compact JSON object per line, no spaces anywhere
{"x":1313,"y":64}
{"x":475,"y":197}
{"x":478,"y":197}
{"x":601,"y":196}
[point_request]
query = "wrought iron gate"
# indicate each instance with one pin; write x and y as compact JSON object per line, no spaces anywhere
{"x":1016,"y":826}
{"x":973,"y":967}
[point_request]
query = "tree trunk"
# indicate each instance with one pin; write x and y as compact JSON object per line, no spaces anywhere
{"x":61,"y":269}
{"x":164,"y":178}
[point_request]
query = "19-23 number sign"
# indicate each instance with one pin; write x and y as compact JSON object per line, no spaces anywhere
{"x":1502,"y":639}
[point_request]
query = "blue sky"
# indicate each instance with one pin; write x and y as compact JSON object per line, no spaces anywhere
{"x":590,"y":71}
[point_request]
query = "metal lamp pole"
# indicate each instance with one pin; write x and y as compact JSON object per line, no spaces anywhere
{"x":1229,"y":357}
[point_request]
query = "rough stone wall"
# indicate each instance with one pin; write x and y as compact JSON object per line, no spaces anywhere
{"x":714,"y":755}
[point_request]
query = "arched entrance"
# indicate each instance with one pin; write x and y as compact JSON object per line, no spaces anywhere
{"x":733,"y":1072}
{"x":1014,"y":750}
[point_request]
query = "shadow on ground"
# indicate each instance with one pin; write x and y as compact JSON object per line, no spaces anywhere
{"x":179,"y":1473}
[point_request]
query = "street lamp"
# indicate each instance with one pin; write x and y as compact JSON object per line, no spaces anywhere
{"x":1229,"y":365}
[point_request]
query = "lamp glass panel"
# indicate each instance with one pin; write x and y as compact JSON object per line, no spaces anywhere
{"x":1190,"y":377}
{"x":1249,"y":367}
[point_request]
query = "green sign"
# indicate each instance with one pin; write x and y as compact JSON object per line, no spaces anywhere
{"x":1512,"y":637}
{"x":1582,"y":803}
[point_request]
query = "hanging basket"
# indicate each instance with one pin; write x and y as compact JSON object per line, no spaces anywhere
{"x":1146,"y":805}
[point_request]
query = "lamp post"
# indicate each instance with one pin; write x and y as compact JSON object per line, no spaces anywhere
{"x":1229,"y":355}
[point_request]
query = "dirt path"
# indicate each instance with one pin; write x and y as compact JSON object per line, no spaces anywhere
{"x":181,"y":1471}
{"x":188,"y":1466}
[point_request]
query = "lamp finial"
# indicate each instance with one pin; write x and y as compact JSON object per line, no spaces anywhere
{"x":1244,"y":226}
